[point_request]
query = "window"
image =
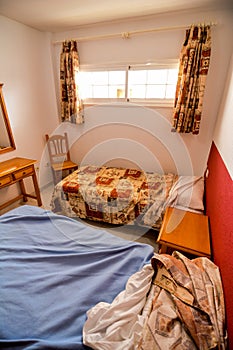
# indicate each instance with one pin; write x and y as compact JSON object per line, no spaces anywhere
{"x":102,"y":84}
{"x":152,"y":83}
{"x":141,"y":84}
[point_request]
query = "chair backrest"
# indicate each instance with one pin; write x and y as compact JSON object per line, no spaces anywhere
{"x":58,"y":148}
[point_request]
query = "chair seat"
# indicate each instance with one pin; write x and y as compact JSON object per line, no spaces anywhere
{"x":66,"y":165}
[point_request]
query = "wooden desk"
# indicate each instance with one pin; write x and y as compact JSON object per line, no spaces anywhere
{"x":185,"y":231}
{"x":15,"y":170}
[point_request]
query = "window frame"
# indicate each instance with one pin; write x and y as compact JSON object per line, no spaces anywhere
{"x":148,"y":102}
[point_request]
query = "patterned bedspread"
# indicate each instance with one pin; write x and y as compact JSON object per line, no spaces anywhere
{"x":114,"y":195}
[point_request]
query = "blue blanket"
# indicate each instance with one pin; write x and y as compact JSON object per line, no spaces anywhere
{"x":53,"y":269}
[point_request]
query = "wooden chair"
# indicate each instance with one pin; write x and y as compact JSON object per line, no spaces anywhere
{"x":58,"y":149}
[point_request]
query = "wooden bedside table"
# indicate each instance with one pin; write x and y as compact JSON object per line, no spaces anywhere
{"x":185,"y":231}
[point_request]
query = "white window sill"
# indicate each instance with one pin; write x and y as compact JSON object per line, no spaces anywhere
{"x":161,"y":103}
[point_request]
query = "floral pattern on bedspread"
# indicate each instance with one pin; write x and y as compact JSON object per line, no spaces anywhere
{"x":114,"y":195}
{"x":154,"y":195}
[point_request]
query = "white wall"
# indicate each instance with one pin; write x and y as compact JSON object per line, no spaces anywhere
{"x":29,"y":94}
{"x":223,"y":135}
{"x":144,"y":48}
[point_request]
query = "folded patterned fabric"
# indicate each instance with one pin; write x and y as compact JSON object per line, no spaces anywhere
{"x":188,"y":306}
{"x":174,"y":303}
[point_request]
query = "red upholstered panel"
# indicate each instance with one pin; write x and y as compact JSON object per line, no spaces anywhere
{"x":219,"y":205}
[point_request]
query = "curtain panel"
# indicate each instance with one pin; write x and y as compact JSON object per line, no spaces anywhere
{"x":71,"y":106}
{"x":193,"y":69}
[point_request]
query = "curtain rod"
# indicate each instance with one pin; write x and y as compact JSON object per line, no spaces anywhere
{"x":127,"y":35}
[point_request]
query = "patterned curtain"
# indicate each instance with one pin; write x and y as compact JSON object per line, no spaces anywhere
{"x":71,"y":106}
{"x":193,"y":69}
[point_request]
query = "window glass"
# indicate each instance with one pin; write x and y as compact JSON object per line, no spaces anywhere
{"x":137,"y":76}
{"x":158,"y":76}
{"x":172,"y":76}
{"x":116,"y":77}
{"x":137,"y":91}
{"x":170,"y":91}
{"x":129,"y":84}
{"x":99,"y":78}
{"x":117,"y":91}
{"x":100,"y":91}
{"x":156,"y":90}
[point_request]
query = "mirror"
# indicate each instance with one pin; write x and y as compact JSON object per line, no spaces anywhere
{"x":7,"y":143}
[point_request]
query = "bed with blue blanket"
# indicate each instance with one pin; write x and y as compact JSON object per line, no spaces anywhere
{"x":53,"y":270}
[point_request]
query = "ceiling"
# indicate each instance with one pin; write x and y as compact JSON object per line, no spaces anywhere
{"x":64,"y":15}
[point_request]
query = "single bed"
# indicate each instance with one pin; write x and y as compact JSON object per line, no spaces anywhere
{"x":53,"y":269}
{"x":65,"y":285}
{"x":125,"y":196}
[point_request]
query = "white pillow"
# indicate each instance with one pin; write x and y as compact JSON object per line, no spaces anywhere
{"x":189,"y":192}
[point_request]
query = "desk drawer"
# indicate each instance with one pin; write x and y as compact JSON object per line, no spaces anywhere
{"x":23,"y":173}
{"x":5,"y":180}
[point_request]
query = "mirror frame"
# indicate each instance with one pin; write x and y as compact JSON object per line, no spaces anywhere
{"x":12,"y":146}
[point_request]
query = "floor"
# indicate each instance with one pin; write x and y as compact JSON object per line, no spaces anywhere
{"x":130,"y":232}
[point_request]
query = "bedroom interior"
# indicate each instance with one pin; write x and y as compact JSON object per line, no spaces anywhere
{"x":115,"y":143}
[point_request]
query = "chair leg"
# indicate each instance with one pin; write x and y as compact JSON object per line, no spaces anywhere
{"x":58,"y":176}
{"x":54,"y":176}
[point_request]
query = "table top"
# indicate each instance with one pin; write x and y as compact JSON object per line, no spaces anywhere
{"x":17,"y":163}
{"x":185,"y":230}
